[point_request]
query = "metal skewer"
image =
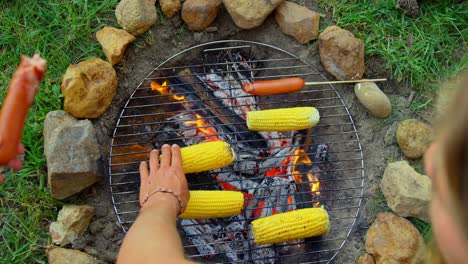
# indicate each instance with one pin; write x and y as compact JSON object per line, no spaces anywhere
{"x":350,"y":81}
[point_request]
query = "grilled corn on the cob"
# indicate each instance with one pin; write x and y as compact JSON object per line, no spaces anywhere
{"x":297,"y":224}
{"x":213,"y":204}
{"x":207,"y":156}
{"x":283,"y":119}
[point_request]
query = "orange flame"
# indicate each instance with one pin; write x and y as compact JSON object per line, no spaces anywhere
{"x":203,"y":127}
{"x":165,"y":89}
{"x":300,"y":158}
{"x":178,"y":97}
{"x":162,"y":89}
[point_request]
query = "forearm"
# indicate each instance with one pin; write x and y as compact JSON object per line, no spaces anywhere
{"x":153,"y":238}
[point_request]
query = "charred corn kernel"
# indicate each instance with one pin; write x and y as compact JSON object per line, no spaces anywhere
{"x":213,"y":204}
{"x":207,"y":156}
{"x":288,"y":226}
{"x":283,"y":119}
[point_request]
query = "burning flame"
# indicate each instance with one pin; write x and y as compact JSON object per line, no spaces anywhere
{"x":203,"y":127}
{"x":165,"y":89}
{"x":300,"y":158}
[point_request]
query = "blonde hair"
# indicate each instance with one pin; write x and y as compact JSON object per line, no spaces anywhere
{"x":453,"y":146}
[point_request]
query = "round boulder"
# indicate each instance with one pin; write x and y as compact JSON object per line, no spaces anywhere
{"x":170,"y":7}
{"x":393,"y":239}
{"x":248,"y":14}
{"x":88,"y":88}
{"x":136,"y":16}
{"x":414,"y":137}
{"x":341,"y":54}
{"x":199,"y":14}
{"x":373,"y":99}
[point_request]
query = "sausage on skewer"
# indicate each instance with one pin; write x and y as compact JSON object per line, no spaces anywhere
{"x":289,"y":85}
{"x":19,"y":98}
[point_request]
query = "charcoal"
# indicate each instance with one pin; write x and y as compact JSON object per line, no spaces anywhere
{"x":195,"y":234}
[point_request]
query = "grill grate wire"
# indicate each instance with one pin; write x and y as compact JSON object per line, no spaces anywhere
{"x":341,"y":176}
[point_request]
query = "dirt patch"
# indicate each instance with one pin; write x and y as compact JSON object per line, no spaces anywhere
{"x":171,"y":36}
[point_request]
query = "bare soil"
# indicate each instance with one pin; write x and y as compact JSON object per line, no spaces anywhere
{"x":171,"y":36}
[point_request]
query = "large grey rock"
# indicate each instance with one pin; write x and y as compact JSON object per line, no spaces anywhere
{"x":69,"y":256}
{"x":414,"y":137}
{"x":136,"y":16}
{"x":72,"y":154}
{"x":341,"y":54}
{"x":392,"y":239}
{"x":298,"y":21}
{"x":248,"y":14}
{"x":373,"y":99}
{"x":407,"y":192}
{"x":72,"y":222}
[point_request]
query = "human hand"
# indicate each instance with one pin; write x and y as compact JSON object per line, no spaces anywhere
{"x":165,"y":174}
{"x":14,"y":164}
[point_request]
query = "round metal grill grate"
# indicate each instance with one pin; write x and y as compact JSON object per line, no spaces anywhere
{"x":195,"y":96}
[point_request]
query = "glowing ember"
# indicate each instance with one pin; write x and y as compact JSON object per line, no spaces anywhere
{"x":280,"y":171}
{"x":302,"y":158}
{"x":203,"y":127}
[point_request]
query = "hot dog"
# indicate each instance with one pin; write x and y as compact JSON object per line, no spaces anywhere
{"x":279,"y":86}
{"x":19,"y":98}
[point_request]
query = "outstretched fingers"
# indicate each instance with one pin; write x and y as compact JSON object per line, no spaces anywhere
{"x":154,"y":160}
{"x":144,"y":173}
{"x":166,"y":156}
{"x":176,"y":157}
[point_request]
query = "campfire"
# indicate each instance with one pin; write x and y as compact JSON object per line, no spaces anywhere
{"x":276,"y":171}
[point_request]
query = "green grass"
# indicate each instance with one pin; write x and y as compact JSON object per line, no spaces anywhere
{"x":439,"y":35}
{"x":424,"y":228}
{"x":62,"y":31}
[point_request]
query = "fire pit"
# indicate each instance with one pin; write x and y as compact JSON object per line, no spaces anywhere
{"x":196,"y":96}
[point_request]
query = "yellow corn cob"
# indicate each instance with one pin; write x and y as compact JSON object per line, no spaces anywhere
{"x":284,"y":227}
{"x":213,"y":204}
{"x":207,"y":156}
{"x":283,"y":119}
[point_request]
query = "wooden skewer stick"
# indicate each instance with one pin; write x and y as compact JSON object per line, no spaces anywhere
{"x":350,"y":81}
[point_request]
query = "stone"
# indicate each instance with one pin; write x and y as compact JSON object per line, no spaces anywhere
{"x":88,"y":88}
{"x":199,"y":14}
{"x":414,"y":137}
{"x":365,"y":259}
{"x":390,"y":135}
{"x":114,"y":42}
{"x":341,"y":53}
{"x":197,"y":36}
{"x":298,"y":21}
{"x":109,"y":230}
{"x":249,"y":14}
{"x":136,"y":16}
{"x":72,"y":222}
{"x":407,"y":192}
{"x":211,"y":29}
{"x":72,"y":154}
{"x":95,"y":227}
{"x":393,"y":239}
{"x":69,"y":256}
{"x":373,"y":99}
{"x":409,"y":7}
{"x":170,"y":7}
{"x":91,"y":251}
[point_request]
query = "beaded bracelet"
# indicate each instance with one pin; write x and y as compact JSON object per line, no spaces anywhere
{"x":164,"y":190}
